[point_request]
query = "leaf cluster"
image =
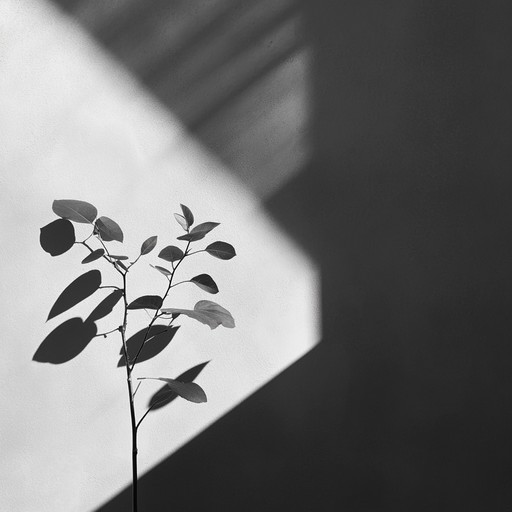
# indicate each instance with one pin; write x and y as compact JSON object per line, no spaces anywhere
{"x":71,"y":337}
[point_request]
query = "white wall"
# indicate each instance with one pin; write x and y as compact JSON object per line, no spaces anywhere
{"x":73,"y":124}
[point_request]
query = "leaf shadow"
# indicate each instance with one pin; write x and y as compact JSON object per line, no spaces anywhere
{"x":81,"y":288}
{"x":158,"y":338}
{"x":57,"y":237}
{"x":106,"y":306}
{"x":165,"y":395}
{"x":66,"y":341}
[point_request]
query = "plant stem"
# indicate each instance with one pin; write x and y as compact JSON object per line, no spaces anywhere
{"x":132,"y":405}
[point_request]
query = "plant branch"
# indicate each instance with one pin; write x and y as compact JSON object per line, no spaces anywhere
{"x":149,"y":409}
{"x":156,"y":315}
{"x":108,"y":332}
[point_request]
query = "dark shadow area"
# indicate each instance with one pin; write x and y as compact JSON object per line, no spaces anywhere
{"x":405,"y":405}
{"x":66,"y":341}
{"x":81,"y":288}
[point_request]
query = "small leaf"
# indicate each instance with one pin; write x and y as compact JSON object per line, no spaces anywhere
{"x":165,"y":395}
{"x":81,"y":288}
{"x":146,"y":302}
{"x":148,"y":245}
{"x":199,"y":232}
{"x":187,"y":214}
{"x":171,"y":253}
{"x":162,"y":270}
{"x":221,"y":250}
{"x":206,"y":312}
{"x":108,"y":230}
{"x":106,"y":306}
{"x":159,"y":336}
{"x":181,"y":221}
{"x":95,"y":255}
{"x":188,"y":390}
{"x":116,"y":257}
{"x":57,"y":237}
{"x":77,"y":211}
{"x":205,"y":282}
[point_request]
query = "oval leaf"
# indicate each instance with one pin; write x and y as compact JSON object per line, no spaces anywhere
{"x":65,"y":342}
{"x":116,"y":257}
{"x":171,"y":253}
{"x":162,"y":270}
{"x":108,"y":230}
{"x":206,"y":312}
{"x":57,"y":237}
{"x":106,"y":306}
{"x":158,"y":337}
{"x":95,"y":255}
{"x":221,"y":250}
{"x":205,"y":282}
{"x":148,"y":245}
{"x":77,"y":211}
{"x":181,"y":221}
{"x":187,"y":214}
{"x":81,"y":288}
{"x":199,"y":232}
{"x":188,"y":390}
{"x":165,"y":395}
{"x":146,"y":302}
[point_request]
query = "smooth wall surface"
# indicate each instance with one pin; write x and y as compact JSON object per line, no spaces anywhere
{"x":75,"y":124}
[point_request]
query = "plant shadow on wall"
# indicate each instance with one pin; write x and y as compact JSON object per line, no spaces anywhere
{"x":70,"y":338}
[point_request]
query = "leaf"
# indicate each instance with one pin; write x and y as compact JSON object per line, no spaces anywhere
{"x":108,"y":230}
{"x":115,"y":257}
{"x":187,"y":214}
{"x":65,"y":342}
{"x":206,"y":312}
{"x":81,"y":288}
{"x":181,"y":221}
{"x":171,"y":253}
{"x":148,"y":245}
{"x":199,"y":232}
{"x":221,"y":250}
{"x":165,"y":395}
{"x":106,"y":306}
{"x":95,"y":255}
{"x":159,"y":337}
{"x":188,"y":390}
{"x":146,"y":302}
{"x":77,"y":211}
{"x":162,"y":270}
{"x":205,"y":282}
{"x":57,"y":237}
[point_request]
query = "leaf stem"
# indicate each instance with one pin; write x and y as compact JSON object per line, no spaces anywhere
{"x":181,"y":282}
{"x":133,"y":262}
{"x":196,"y":252}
